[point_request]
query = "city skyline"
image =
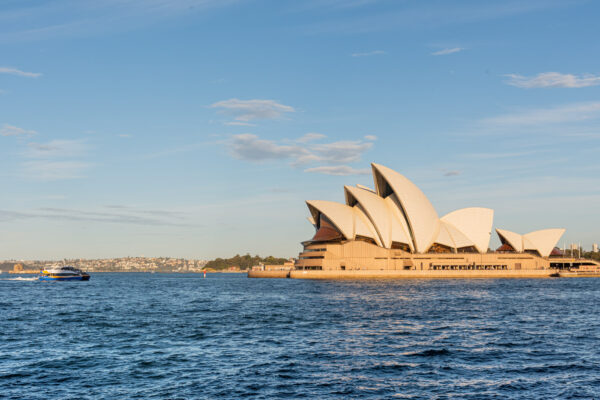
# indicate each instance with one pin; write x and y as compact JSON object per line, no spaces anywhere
{"x":197,"y":128}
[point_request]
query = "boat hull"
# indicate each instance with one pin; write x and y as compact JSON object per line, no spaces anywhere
{"x":64,"y":278}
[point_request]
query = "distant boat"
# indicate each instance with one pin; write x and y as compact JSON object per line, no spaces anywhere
{"x":63,"y":273}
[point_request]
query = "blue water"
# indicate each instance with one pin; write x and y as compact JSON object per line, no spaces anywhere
{"x":142,"y":336}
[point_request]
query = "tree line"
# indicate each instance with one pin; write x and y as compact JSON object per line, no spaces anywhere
{"x":243,"y":262}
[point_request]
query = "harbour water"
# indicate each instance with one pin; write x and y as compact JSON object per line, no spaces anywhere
{"x":182,"y":336}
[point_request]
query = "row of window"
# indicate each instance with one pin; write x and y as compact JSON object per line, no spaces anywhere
{"x":468,"y":267}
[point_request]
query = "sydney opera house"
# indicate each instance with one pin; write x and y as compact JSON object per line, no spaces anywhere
{"x":394,"y":229}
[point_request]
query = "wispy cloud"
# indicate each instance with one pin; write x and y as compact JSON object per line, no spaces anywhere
{"x":43,"y":20}
{"x":553,"y":80}
{"x":340,"y":170}
{"x":347,"y":151}
{"x":250,"y":147}
{"x":555,"y":115}
{"x":491,"y":156}
{"x":56,"y":149}
{"x":371,"y":137}
{"x":421,"y":15}
{"x":369,"y":53}
{"x":55,"y":160}
{"x":53,"y":170}
{"x":447,"y":51}
{"x":248,"y":110}
{"x":238,"y":123}
{"x":451,"y":173}
{"x":18,"y":72}
{"x":11,"y":130}
{"x":311,"y":136}
{"x":126,"y":215}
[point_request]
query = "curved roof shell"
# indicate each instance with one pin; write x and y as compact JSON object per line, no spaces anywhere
{"x":398,"y":211}
{"x":513,"y":239}
{"x":384,"y":220}
{"x":475,"y":223}
{"x":422,"y":218}
{"x":350,"y":221}
{"x":544,"y":241}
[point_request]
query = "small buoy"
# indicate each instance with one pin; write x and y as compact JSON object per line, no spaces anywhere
{"x":204,"y":273}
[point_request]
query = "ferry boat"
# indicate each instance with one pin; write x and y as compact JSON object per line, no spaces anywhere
{"x":63,"y":273}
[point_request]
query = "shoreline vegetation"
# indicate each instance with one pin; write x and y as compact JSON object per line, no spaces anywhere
{"x":237,"y":263}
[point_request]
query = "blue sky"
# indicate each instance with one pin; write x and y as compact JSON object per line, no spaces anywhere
{"x":197,"y":128}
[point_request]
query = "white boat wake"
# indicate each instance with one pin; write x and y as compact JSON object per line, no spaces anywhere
{"x":19,"y":278}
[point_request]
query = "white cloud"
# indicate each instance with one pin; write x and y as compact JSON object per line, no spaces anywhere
{"x":248,"y":110}
{"x":238,"y":123}
{"x":250,"y":147}
{"x":562,"y":114}
{"x":11,"y":130}
{"x":371,"y":137}
{"x":340,"y":152}
{"x":18,"y":72}
{"x":341,"y":170}
{"x":447,"y":51}
{"x":309,"y":137}
{"x":370,"y":53}
{"x":553,"y":80}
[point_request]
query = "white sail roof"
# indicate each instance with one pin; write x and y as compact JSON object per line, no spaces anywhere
{"x":458,"y":237}
{"x":350,"y":221}
{"x":451,"y":237}
{"x":544,"y":241}
{"x":422,"y":218}
{"x":444,"y":237}
{"x":398,"y":211}
{"x":513,"y":239}
{"x":363,"y":226}
{"x":400,"y":231}
{"x":376,"y":208}
{"x":475,"y":223}
{"x":339,"y":214}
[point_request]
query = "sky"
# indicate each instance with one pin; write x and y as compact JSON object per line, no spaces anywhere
{"x":198,"y":128}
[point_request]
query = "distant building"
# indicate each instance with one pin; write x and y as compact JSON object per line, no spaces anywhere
{"x":18,"y":269}
{"x":595,"y":247}
{"x":286,"y":266}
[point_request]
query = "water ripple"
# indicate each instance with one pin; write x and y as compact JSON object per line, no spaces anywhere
{"x":174,"y":336}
